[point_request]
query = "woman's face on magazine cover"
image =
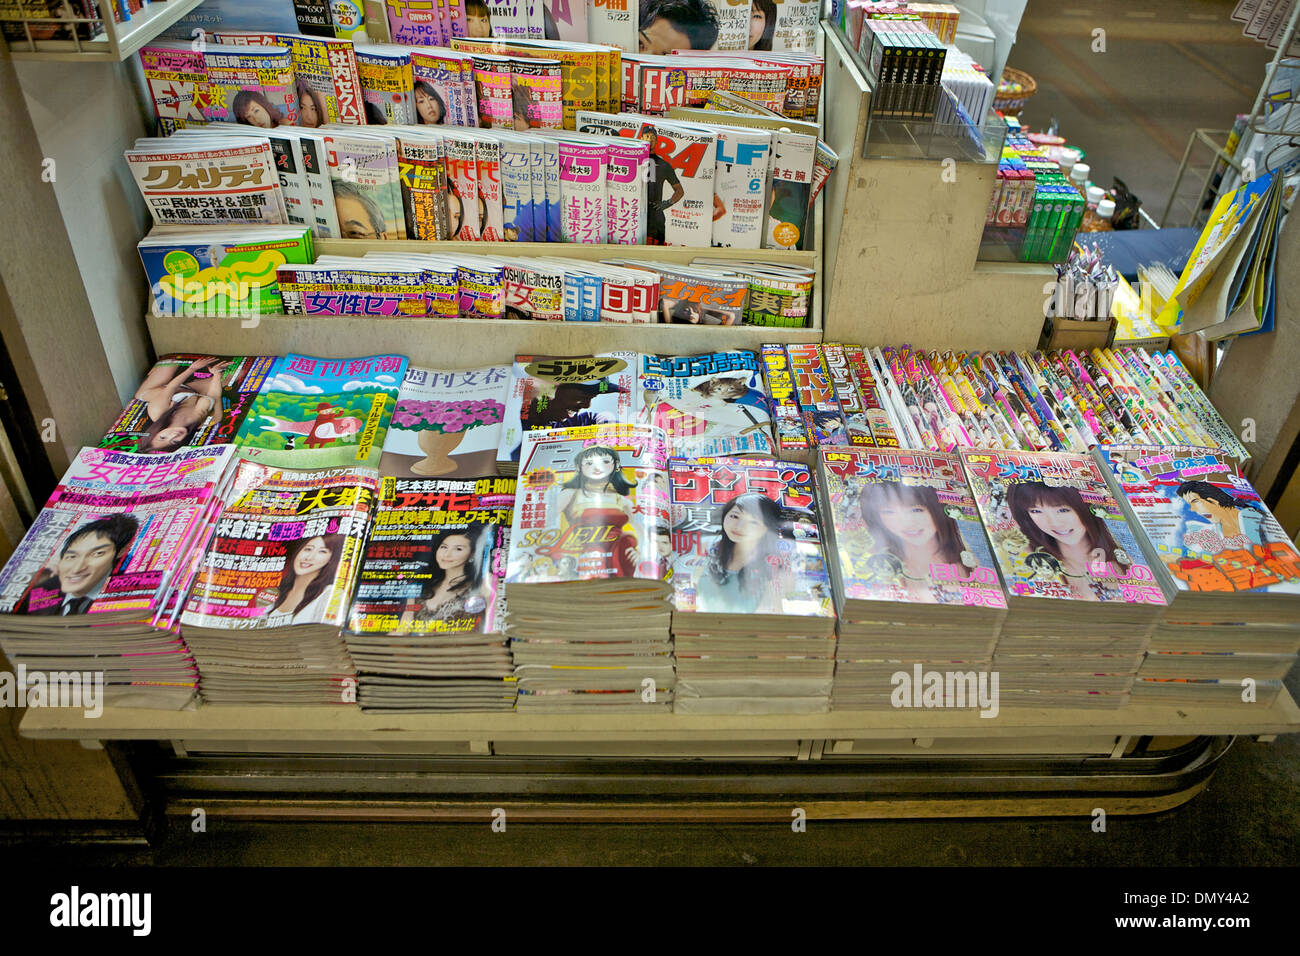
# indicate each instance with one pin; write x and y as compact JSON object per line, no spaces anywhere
{"x":1204,"y":506}
{"x":428,"y":107}
{"x":308,"y":115}
{"x":477,"y":23}
{"x":910,"y":523}
{"x":1060,"y":521}
{"x":313,"y":556}
{"x":597,"y":467}
{"x":757,"y":24}
{"x":453,"y":552}
{"x":255,"y":114}
{"x":453,"y":214}
{"x":743,"y":526}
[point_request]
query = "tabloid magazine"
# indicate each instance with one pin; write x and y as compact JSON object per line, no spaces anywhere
{"x":189,"y":399}
{"x":286,"y":549}
{"x":435,"y":558}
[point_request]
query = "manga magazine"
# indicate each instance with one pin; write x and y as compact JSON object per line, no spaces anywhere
{"x":745,"y":540}
{"x":709,"y":405}
{"x":1057,"y":530}
{"x":591,"y":505}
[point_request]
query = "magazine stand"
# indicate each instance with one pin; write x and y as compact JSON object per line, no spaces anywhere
{"x":896,"y":762}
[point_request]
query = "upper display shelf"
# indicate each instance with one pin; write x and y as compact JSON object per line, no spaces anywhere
{"x":114,"y":42}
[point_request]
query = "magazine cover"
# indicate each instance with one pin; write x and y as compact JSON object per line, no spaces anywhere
{"x":220,"y":271}
{"x":415,"y":24}
{"x":815,"y":391}
{"x":614,"y":23}
{"x":423,"y":169}
{"x":234,"y":183}
{"x":709,"y":405}
{"x":680,"y":190}
{"x":466,"y":212}
{"x":434,"y":561}
{"x":796,"y":24}
{"x":589,"y":505}
{"x":907,"y":528}
{"x":1209,"y":527}
{"x":115,"y":532}
{"x":583,"y":193}
{"x":386,"y":84}
{"x":534,"y":292}
{"x":536,"y":94}
{"x":791,"y":182}
{"x":739,"y":187}
{"x":735,"y":22}
{"x":516,"y":190}
{"x":626,"y":181}
{"x":565,"y":20}
{"x":444,"y":93}
{"x":1057,"y":532}
{"x":446,"y":424}
{"x":493,"y":89}
{"x":286,"y":549}
{"x":328,"y":413}
{"x":177,"y":79}
{"x":251,"y":85}
{"x":552,"y":392}
{"x":745,"y":539}
{"x":326,"y":77}
{"x":365,"y":178}
{"x":189,"y":399}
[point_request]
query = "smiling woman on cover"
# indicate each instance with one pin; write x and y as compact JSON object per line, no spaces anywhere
{"x":1056,"y":520}
{"x":304,"y":592}
{"x":453,"y":589}
{"x":909,"y":524}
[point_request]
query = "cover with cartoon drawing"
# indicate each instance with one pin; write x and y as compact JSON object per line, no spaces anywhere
{"x":710,"y":405}
{"x":324,"y":413}
{"x":1207,"y":526}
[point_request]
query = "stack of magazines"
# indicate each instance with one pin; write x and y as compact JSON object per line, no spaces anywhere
{"x":1083,"y":600}
{"x":1231,"y":576}
{"x":753,"y":623}
{"x":914,"y":577}
{"x":273,"y":589}
{"x":588,"y":614}
{"x":425,"y":628}
{"x":96,"y":584}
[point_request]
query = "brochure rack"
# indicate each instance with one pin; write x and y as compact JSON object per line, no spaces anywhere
{"x":896,"y":264}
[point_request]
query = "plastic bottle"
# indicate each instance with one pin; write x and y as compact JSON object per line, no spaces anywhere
{"x":1098,"y":220}
{"x":1095,"y":195}
{"x":1079,"y":174}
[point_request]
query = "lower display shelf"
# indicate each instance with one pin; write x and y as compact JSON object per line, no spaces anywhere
{"x":211,"y":725}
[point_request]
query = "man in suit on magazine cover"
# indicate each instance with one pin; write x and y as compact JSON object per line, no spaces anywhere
{"x":85,"y":562}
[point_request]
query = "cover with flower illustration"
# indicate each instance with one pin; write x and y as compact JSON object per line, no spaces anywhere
{"x":447,"y":424}
{"x":904,"y":526}
{"x":1057,"y":530}
{"x":323,"y":413}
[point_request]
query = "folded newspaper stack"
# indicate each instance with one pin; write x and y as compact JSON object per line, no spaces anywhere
{"x":425,"y":627}
{"x":1082,"y":600}
{"x":94,"y":588}
{"x":912,"y":570}
{"x":273,"y":589}
{"x":587,"y":548}
{"x":753,"y":624}
{"x":1231,"y":576}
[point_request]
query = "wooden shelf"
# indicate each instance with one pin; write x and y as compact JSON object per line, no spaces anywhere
{"x":117,"y":42}
{"x":213,"y":724}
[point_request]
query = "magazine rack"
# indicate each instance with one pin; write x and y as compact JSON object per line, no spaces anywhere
{"x":895,"y":263}
{"x":117,"y":41}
